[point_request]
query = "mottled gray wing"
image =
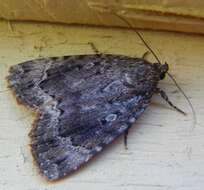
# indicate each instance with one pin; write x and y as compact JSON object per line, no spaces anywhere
{"x":84,"y":103}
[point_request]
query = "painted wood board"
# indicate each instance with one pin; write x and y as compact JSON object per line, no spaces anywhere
{"x":165,"y":149}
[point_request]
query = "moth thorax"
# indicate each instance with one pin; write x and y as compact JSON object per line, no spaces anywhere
{"x":162,"y":69}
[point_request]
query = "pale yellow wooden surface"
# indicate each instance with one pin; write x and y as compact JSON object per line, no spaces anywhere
{"x":169,"y":15}
{"x":164,"y":151}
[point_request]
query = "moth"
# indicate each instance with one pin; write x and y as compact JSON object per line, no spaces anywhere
{"x":84,"y":102}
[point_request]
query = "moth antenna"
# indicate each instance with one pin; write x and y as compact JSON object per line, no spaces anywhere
{"x":141,"y":38}
{"x":170,"y":76}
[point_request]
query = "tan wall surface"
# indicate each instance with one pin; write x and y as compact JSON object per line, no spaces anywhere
{"x":175,"y":15}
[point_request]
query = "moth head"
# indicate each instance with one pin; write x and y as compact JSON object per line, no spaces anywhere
{"x":162,"y":69}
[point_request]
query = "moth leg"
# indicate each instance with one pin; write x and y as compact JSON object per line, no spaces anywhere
{"x":145,"y":55}
{"x":165,"y":97}
{"x":125,"y":138}
{"x":94,"y":48}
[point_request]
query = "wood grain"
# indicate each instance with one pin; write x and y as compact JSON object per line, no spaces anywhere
{"x":170,"y":15}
